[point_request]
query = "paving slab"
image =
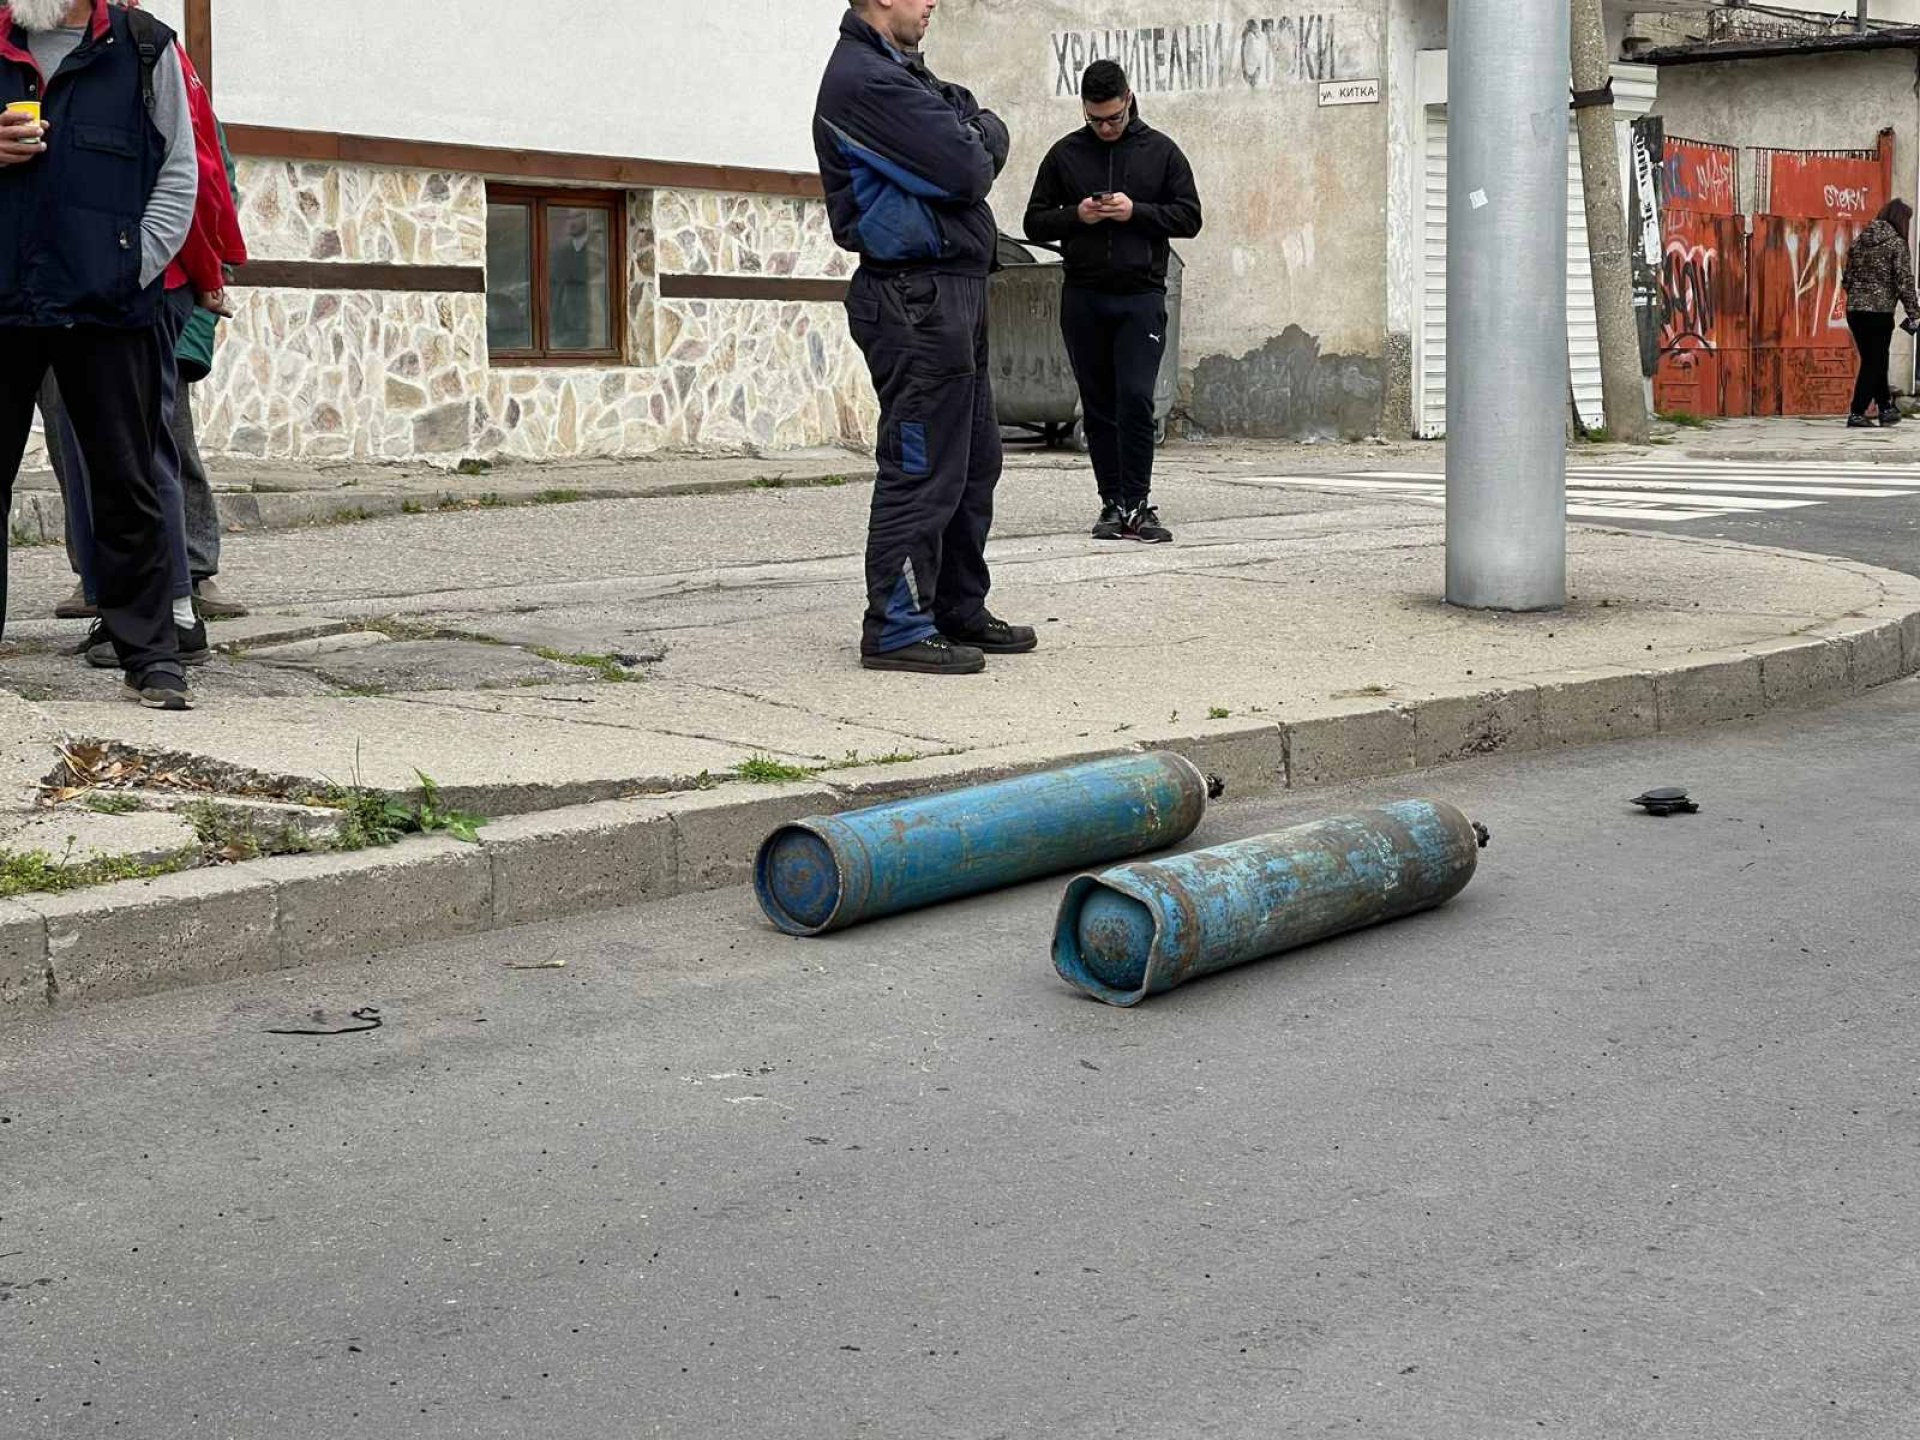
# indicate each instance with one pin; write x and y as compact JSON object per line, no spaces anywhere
{"x":73,"y":833}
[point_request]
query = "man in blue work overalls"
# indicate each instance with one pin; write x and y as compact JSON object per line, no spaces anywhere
{"x":907,"y":160}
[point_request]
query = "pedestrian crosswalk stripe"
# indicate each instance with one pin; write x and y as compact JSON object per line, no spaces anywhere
{"x":1656,"y":489}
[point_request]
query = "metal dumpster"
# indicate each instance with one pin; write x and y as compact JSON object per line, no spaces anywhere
{"x":1033,"y":386}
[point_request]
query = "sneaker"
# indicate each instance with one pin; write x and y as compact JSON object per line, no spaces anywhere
{"x":1144,"y":525}
{"x":1859,"y":422}
{"x":994,"y":636}
{"x":76,"y":606}
{"x":192,"y":644}
{"x":159,"y":690}
{"x":98,"y":647}
{"x":935,"y":656}
{"x":194,"y":649}
{"x":1890,"y":415}
{"x":213,"y":603}
{"x":1112,"y":524}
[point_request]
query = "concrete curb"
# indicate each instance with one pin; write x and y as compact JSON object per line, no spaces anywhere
{"x":39,"y":516}
{"x":137,"y":937}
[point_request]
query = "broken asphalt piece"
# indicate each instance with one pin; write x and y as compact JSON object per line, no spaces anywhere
{"x":368,"y":1016}
{"x":1669,"y":800}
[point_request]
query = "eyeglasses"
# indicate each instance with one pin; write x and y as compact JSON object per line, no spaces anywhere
{"x":1109,"y":122}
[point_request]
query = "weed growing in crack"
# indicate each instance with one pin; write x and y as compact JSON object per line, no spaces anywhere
{"x":373,"y":818}
{"x":765,"y":770}
{"x":25,"y":872}
{"x":610,"y":668}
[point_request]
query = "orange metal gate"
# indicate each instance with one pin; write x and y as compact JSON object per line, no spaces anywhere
{"x":1755,"y":322}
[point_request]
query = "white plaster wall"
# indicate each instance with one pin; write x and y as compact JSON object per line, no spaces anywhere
{"x":1900,"y":12}
{"x":729,"y":83}
{"x":1295,"y":194}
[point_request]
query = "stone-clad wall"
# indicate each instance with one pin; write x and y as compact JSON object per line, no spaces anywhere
{"x":319,"y":375}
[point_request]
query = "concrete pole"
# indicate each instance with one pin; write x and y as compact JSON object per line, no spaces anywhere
{"x":1612,"y":266}
{"x":1507,"y":82}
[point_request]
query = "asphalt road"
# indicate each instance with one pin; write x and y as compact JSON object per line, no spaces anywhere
{"x":1624,"y":1143}
{"x":1875,"y":532}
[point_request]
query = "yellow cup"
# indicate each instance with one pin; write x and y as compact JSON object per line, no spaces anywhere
{"x":29,"y":108}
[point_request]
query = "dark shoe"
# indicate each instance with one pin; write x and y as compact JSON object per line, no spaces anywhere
{"x":1859,"y":422}
{"x":76,"y":606}
{"x":1112,"y":524}
{"x":213,"y":603}
{"x":1144,"y":525}
{"x":193,"y":646}
{"x":991,"y":635}
{"x":98,"y":647}
{"x":159,"y":690}
{"x":937,"y":656}
{"x":1890,"y":415}
{"x":194,"y":649}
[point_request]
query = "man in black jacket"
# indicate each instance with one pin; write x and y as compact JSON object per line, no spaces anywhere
{"x":907,"y":161}
{"x":1116,"y":192}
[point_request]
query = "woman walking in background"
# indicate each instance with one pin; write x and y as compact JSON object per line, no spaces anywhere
{"x":1879,"y":276}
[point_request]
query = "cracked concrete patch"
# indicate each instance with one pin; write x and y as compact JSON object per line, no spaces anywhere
{"x":433,"y":665}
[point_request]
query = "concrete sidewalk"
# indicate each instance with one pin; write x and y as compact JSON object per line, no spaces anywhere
{"x":646,"y":685}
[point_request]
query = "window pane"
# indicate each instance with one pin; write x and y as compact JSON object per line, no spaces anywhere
{"x":509,"y":277}
{"x":579,"y":251}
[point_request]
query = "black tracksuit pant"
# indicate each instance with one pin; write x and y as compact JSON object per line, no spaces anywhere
{"x":1873,"y":338}
{"x":111,"y":381}
{"x":925,"y":338}
{"x":1115,"y":343}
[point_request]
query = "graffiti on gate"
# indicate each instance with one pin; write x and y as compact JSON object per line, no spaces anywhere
{"x":1798,"y":265}
{"x":1803,"y":355}
{"x":1831,"y":184}
{"x":1702,"y":282}
{"x":1686,"y":291}
{"x":1700,"y":178}
{"x":1703,"y":333}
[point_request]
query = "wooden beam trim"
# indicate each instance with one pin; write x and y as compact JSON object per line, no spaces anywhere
{"x":199,"y":39}
{"x":349,"y":275}
{"x":751,"y":287}
{"x":549,"y":166}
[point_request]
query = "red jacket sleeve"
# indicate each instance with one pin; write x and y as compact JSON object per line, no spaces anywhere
{"x":215,"y":241}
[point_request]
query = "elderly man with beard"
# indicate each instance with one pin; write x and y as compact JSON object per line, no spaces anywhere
{"x":98,"y":178}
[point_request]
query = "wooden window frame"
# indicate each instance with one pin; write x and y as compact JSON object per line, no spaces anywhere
{"x":537,"y":200}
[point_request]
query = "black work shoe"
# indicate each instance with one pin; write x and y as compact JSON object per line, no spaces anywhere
{"x":1859,"y":422}
{"x":935,"y":656}
{"x":194,"y":649}
{"x":98,"y":647}
{"x":159,"y":690}
{"x":1890,"y":415}
{"x":1112,"y":524}
{"x":991,"y":635}
{"x":193,"y":646}
{"x":1144,"y":525}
